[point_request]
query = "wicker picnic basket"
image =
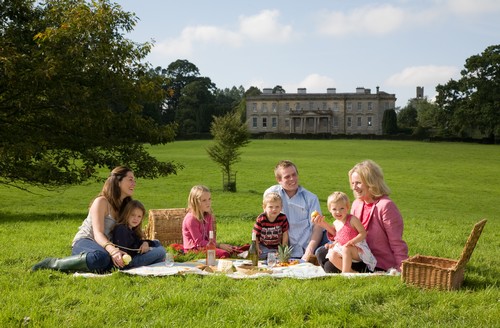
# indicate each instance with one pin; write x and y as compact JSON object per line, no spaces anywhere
{"x":437,"y":272}
{"x":166,"y":225}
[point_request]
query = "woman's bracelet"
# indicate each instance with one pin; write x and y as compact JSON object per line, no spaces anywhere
{"x":114,"y":253}
{"x":107,"y":244}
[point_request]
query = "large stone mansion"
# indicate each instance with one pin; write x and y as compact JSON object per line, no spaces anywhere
{"x":359,"y":112}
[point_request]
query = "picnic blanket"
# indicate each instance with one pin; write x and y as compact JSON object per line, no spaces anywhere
{"x":303,"y":270}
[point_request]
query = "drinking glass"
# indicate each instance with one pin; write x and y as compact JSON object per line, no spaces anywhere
{"x":169,"y":260}
{"x":271,"y":260}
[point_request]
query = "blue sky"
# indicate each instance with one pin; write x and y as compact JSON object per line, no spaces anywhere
{"x":314,"y":44}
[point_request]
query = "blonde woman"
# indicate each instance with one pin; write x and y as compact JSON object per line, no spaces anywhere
{"x":198,"y":222}
{"x":380,"y":217}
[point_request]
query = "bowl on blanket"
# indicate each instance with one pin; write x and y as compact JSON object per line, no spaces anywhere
{"x":249,"y":269}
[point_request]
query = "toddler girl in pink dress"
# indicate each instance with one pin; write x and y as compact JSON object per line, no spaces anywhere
{"x":349,"y":238}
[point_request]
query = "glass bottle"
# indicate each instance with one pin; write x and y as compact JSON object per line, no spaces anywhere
{"x":211,"y":249}
{"x":252,"y":251}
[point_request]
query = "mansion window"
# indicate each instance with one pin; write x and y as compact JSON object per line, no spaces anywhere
{"x":370,"y":105}
{"x":274,"y":122}
{"x":359,"y":121}
{"x":335,"y":121}
{"x":274,"y":107}
{"x":360,"y":106}
{"x":254,"y":107}
{"x":349,"y":106}
{"x":264,"y":122}
{"x":264,"y":108}
{"x":369,"y":121}
{"x":349,"y":121}
{"x":335,"y":107}
{"x":254,"y":122}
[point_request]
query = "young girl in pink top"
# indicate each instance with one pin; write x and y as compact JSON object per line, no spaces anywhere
{"x":199,"y":221}
{"x":348,"y":234}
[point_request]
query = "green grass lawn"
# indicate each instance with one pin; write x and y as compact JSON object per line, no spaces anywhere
{"x":442,"y":190}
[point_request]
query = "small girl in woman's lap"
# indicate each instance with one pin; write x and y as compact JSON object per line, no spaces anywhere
{"x":128,"y":236}
{"x":350,"y":238}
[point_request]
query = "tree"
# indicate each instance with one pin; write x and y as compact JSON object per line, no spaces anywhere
{"x":179,"y":73}
{"x":229,"y":134}
{"x":407,"y":116}
{"x":278,"y":89}
{"x":253,"y":91}
{"x":231,"y":99}
{"x":427,"y":113}
{"x":389,"y":122}
{"x":473,"y":102}
{"x":196,"y":106}
{"x":71,"y":94}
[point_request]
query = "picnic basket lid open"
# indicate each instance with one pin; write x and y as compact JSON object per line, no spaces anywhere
{"x":441,"y":273}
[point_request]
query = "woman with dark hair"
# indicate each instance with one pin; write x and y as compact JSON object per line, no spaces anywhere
{"x":92,"y":249}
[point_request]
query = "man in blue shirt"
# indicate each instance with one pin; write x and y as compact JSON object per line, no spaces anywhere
{"x":298,"y":204}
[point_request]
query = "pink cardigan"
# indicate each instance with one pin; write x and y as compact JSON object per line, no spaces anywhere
{"x":194,"y":232}
{"x":384,"y":232}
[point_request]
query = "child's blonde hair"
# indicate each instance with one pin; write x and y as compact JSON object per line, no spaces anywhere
{"x":126,"y":212}
{"x":271,"y":197}
{"x":194,"y":201}
{"x":338,"y":196}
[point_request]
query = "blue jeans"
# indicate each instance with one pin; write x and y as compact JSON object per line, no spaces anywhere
{"x":156,"y":254}
{"x":265,"y":250}
{"x":98,"y":260}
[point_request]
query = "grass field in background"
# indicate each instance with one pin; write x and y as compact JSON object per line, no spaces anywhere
{"x":442,"y":189}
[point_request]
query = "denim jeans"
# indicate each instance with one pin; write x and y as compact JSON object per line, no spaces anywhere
{"x":156,"y":254}
{"x":265,"y":250}
{"x":98,"y":260}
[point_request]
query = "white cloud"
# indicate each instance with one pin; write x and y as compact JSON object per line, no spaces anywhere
{"x":367,"y":20}
{"x":317,"y":83}
{"x":265,"y":27}
{"x":183,"y":45}
{"x":211,"y":34}
{"x":467,"y":7}
{"x":173,"y":47}
{"x":423,"y":75}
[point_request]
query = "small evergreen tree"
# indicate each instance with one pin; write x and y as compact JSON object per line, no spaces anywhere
{"x":229,"y":134}
{"x":390,"y":122}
